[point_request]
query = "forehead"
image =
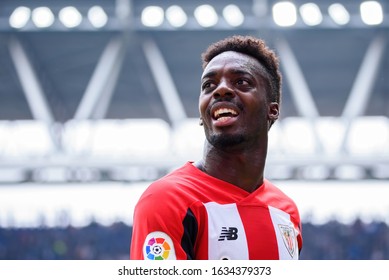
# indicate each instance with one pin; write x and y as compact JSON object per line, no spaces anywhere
{"x":234,"y":61}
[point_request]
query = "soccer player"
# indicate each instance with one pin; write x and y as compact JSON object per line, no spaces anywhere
{"x":222,"y":207}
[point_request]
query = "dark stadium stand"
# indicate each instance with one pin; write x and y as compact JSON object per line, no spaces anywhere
{"x":331,"y":241}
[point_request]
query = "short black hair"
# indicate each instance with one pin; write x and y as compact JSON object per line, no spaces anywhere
{"x":255,"y":48}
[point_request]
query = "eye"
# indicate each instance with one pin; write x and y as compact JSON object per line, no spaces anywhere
{"x":243,"y":82}
{"x":207,"y":85}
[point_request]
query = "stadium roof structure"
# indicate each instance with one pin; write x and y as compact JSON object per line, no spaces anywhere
{"x":77,"y":61}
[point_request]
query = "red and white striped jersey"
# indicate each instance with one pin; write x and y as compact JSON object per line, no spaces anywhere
{"x":190,"y":215}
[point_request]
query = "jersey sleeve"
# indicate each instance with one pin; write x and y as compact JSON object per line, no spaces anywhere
{"x":296,"y":220}
{"x":298,"y":226}
{"x":158,"y":231}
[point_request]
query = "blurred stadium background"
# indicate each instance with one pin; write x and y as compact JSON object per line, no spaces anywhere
{"x":98,"y":98}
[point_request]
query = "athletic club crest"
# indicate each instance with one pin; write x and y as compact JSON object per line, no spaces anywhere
{"x":288,"y":236}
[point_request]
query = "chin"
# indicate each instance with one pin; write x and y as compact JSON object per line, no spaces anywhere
{"x":223,"y":141}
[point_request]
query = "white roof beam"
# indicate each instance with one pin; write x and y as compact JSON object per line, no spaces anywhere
{"x":301,"y":95}
{"x":364,"y":82}
{"x":29,"y":81}
{"x":363,"y":85}
{"x":98,"y":93}
{"x":295,"y":78}
{"x":164,"y":81}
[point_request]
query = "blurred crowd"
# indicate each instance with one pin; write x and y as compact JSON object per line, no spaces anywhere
{"x":330,"y":241}
{"x":70,"y":243}
{"x":337,"y":241}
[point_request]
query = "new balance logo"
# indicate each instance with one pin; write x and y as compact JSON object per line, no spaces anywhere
{"x":230,"y":233}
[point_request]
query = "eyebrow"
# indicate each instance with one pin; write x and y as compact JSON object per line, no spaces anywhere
{"x":208,"y":75}
{"x":233,"y":71}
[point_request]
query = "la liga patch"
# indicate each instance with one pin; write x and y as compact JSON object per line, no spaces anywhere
{"x":158,"y":246}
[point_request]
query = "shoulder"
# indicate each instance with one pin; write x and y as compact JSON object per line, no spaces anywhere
{"x":173,"y":183}
{"x":279,"y":199}
{"x":272,"y":189}
{"x":171,"y":191}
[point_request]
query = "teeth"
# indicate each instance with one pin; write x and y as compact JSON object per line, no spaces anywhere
{"x":221,"y":111}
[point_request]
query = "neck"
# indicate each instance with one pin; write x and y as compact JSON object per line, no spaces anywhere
{"x":240,"y":167}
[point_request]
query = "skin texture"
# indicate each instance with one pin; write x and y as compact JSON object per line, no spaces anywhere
{"x":236,"y":146}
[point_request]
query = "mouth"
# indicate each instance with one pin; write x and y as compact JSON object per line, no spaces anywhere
{"x":224,"y":114}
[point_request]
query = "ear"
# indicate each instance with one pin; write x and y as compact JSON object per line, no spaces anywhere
{"x":201,"y":121}
{"x":273,"y":113}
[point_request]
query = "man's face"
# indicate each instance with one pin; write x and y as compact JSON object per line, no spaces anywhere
{"x":233,"y":101}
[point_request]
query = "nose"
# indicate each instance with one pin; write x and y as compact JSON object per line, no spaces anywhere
{"x":223,"y":90}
